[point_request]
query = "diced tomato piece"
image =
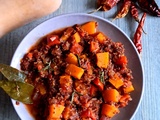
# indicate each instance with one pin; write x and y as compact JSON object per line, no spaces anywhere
{"x":30,"y":55}
{"x":66,"y":113}
{"x":53,"y":40}
{"x":124,"y":100}
{"x":86,"y":114}
{"x":89,"y":68}
{"x":39,"y":67}
{"x":93,"y":90}
{"x":122,"y":60}
{"x":98,"y":83}
{"x":76,"y":48}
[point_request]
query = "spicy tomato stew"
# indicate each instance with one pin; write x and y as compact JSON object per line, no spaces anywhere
{"x":79,"y":74}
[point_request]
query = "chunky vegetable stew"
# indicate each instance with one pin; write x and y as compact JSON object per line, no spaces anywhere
{"x":79,"y":74}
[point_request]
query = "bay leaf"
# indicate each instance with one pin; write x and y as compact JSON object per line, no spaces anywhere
{"x":19,"y":91}
{"x":12,"y":74}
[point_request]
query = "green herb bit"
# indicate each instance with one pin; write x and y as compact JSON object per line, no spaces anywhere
{"x":102,"y":76}
{"x":78,"y":93}
{"x":73,"y":93}
{"x":47,"y":67}
{"x":72,"y":96}
{"x":79,"y":61}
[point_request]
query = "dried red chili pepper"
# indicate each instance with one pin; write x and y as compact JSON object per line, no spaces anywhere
{"x":138,"y":34}
{"x":134,"y":12}
{"x":107,"y":4}
{"x":124,"y":9}
{"x":149,"y":6}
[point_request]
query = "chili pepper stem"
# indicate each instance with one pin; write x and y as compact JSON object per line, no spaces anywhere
{"x":113,"y":19}
{"x":143,"y":31}
{"x":95,"y":10}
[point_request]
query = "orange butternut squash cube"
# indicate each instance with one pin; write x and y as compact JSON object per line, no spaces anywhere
{"x":94,"y":46}
{"x":55,"y":111}
{"x":42,"y":89}
{"x":65,"y":80}
{"x":72,"y":59}
{"x":90,"y":27}
{"x":116,"y":81}
{"x":67,"y":33}
{"x":74,"y":71}
{"x":100,"y":37}
{"x":128,"y":89}
{"x":66,"y":113}
{"x":111,"y":95}
{"x":102,"y":59}
{"x":76,"y":37}
{"x":83,"y":56}
{"x":109,"y":110}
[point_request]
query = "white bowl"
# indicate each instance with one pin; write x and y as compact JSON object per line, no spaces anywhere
{"x":107,"y":28}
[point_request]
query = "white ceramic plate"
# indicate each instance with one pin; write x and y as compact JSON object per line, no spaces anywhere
{"x":103,"y":25}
